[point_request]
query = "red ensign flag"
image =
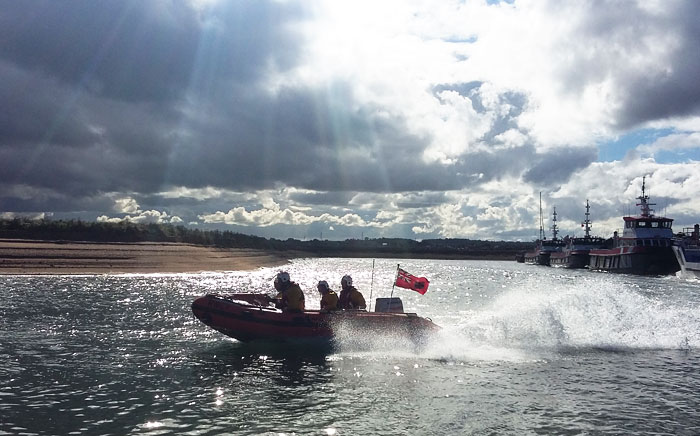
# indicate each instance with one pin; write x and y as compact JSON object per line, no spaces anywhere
{"x":408,"y":281}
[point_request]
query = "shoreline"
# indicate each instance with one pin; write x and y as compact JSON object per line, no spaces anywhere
{"x":31,"y":257}
{"x":40,"y":257}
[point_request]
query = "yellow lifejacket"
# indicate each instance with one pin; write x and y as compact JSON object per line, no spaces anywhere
{"x":291,"y":299}
{"x":352,"y":299}
{"x":329,"y":301}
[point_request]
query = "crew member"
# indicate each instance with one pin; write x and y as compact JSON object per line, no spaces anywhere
{"x":290,"y":297}
{"x":350,"y":298}
{"x":329,"y":299}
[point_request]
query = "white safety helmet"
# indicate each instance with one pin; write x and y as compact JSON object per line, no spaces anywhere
{"x":323,"y":284}
{"x":346,"y":281}
{"x":282,"y":277}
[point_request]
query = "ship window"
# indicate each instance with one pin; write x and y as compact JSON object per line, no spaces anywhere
{"x":627,"y":224}
{"x":655,"y":224}
{"x":640,"y":242}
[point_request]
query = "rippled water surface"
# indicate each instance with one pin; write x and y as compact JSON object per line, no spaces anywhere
{"x":523,"y":350}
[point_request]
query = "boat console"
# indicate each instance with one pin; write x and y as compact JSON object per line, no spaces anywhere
{"x":388,"y":305}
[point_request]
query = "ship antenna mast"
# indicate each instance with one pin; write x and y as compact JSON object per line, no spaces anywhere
{"x":542,"y":237}
{"x":587,"y":224}
{"x":644,"y":201}
{"x":554,"y":225}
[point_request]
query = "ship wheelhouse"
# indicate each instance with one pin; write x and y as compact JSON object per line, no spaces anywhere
{"x":646,"y":231}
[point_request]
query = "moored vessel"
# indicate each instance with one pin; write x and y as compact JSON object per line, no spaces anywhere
{"x":544,"y":248}
{"x":644,"y":247}
{"x":686,"y":247}
{"x":576,"y":252}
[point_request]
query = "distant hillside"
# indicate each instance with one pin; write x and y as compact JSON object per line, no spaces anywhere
{"x":76,"y":230}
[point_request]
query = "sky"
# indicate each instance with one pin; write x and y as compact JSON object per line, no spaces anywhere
{"x":349,"y":119}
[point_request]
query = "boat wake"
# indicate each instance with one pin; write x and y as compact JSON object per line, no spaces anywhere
{"x":612,"y":317}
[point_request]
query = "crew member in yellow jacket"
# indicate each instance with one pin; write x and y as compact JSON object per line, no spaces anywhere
{"x":350,"y":298}
{"x":290,"y":297}
{"x":329,"y":299}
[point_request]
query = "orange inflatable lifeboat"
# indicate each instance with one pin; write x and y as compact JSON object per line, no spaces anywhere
{"x":250,"y":317}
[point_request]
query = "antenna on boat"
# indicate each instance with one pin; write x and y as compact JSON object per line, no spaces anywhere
{"x":542,"y":237}
{"x":371,"y":284}
{"x":587,"y":223}
{"x":644,"y":201}
{"x":555,"y":230}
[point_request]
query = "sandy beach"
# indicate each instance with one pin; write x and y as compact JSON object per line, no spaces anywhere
{"x":38,"y":257}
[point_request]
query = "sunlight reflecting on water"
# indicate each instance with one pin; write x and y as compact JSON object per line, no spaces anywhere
{"x":523,"y":349}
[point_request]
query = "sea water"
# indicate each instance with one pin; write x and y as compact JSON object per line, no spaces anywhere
{"x":523,"y":350}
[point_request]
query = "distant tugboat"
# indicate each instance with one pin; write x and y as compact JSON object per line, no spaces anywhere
{"x":520,"y":257}
{"x":544,"y":247}
{"x":686,"y":247}
{"x":576,"y":253}
{"x":645,"y":245}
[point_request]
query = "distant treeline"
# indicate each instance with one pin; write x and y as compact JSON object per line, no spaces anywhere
{"x":125,"y":231}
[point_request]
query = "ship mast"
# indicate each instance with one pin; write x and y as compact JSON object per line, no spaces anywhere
{"x":644,"y":201}
{"x":555,"y":230}
{"x":587,"y":224}
{"x":542,"y":237}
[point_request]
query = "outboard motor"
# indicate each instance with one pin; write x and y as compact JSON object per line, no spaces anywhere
{"x":389,"y":305}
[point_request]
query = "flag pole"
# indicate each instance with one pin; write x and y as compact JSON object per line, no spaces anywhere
{"x":393,"y":285}
{"x":371,"y":284}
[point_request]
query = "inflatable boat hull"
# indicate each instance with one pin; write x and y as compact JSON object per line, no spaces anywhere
{"x":248,"y":317}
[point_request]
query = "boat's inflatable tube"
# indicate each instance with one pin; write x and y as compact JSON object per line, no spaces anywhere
{"x":249,"y":317}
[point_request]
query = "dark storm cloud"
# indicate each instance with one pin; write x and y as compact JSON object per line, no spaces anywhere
{"x":120,"y":49}
{"x":134,"y":50}
{"x":35,"y":110}
{"x":308,"y":138}
{"x":555,"y":168}
{"x":676,"y":93}
{"x":336,"y":198}
{"x":93,"y":93}
{"x":318,"y":139}
{"x":424,"y":199}
{"x":55,"y":202}
{"x":627,"y":29}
